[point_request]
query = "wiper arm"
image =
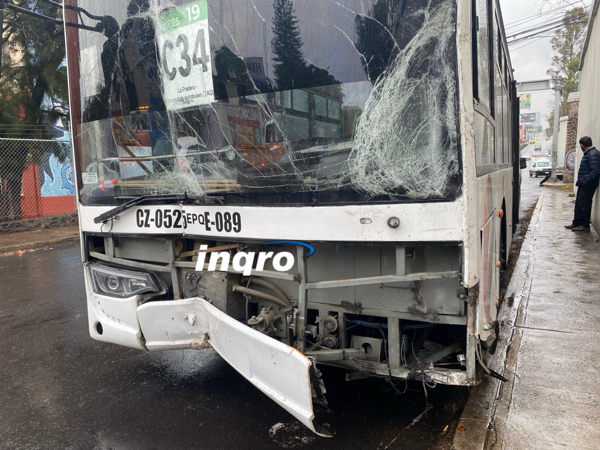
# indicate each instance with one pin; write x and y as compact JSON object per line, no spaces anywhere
{"x":199,"y":199}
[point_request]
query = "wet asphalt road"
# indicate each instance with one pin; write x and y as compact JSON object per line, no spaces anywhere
{"x":60,"y":389}
{"x":530,"y":186}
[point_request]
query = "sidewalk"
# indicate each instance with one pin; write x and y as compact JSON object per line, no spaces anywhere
{"x":10,"y":242}
{"x":549,"y":344}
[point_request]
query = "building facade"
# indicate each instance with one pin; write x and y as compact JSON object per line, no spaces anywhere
{"x":589,"y":87}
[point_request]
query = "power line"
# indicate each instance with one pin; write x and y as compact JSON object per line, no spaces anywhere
{"x":534,"y":35}
{"x":517,"y":22}
{"x":512,"y":50}
{"x":552,"y":35}
{"x":537,"y":31}
{"x":560,"y":22}
{"x":547,"y":26}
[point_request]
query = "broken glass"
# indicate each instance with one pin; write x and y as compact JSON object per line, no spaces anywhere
{"x":268,"y":101}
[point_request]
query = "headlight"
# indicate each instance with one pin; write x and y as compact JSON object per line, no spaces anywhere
{"x":122,"y":283}
{"x":230,"y":153}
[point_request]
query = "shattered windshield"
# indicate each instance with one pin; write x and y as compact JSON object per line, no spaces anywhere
{"x":267,"y":101}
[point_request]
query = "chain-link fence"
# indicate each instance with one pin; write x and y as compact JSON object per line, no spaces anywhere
{"x":36,"y":179}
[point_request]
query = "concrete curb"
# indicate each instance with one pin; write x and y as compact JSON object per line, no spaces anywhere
{"x":37,"y":244}
{"x":563,"y":186}
{"x":482,"y":409}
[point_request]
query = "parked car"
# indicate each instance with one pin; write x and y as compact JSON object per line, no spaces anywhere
{"x":526,"y":155}
{"x":540,"y":167}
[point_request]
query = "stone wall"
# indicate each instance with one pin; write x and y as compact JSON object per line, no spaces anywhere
{"x":573,"y":115}
{"x":571,"y":134}
{"x":589,"y":104}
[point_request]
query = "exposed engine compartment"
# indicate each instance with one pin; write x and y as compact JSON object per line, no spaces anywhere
{"x":394,"y":311}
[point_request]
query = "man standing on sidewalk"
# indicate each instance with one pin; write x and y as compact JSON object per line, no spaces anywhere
{"x":587,"y":181}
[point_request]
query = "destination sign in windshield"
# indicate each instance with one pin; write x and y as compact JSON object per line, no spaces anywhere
{"x":185,"y":62}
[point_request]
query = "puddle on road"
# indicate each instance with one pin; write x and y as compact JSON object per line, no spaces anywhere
{"x":292,"y":434}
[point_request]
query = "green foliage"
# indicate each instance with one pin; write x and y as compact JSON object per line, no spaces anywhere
{"x":375,"y":39}
{"x":35,"y":71}
{"x":33,"y":87}
{"x":287,"y":46}
{"x":567,"y":44}
{"x":291,"y":71}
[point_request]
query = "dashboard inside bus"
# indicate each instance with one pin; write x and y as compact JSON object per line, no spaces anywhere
{"x":268,"y":102}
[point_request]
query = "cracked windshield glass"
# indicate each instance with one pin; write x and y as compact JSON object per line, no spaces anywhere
{"x":268,"y":101}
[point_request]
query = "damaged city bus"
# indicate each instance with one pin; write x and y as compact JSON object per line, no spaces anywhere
{"x":318,"y":183}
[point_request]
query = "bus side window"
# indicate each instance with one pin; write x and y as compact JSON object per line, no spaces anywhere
{"x":483,"y":84}
{"x":499,"y":100}
{"x":484,"y":141}
{"x":507,"y":113}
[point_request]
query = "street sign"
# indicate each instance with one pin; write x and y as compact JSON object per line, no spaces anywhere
{"x":537,"y":85}
{"x":185,"y":63}
{"x":527,"y":118}
{"x":524,"y":101}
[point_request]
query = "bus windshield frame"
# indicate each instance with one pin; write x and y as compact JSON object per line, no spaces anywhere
{"x":353,"y":106}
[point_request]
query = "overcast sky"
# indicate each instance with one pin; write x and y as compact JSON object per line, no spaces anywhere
{"x":531,"y":58}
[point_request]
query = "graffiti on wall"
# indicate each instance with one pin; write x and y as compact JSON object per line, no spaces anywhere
{"x":570,"y":160}
{"x":56,"y":177}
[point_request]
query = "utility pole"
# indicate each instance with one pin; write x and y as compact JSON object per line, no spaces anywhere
{"x":557,"y":94}
{"x":542,"y":85}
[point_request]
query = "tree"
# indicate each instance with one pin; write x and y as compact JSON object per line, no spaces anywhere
{"x":567,"y":44}
{"x":375,"y":36}
{"x":287,"y":47}
{"x":33,"y":88}
{"x":36,"y":72}
{"x":291,"y":71}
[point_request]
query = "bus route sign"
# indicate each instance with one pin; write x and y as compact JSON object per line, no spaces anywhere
{"x":184,"y":50}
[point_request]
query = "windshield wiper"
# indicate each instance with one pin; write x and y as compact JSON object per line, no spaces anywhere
{"x":198,"y":199}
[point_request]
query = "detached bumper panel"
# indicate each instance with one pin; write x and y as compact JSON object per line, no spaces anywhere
{"x":117,"y":317}
{"x":278,"y":370}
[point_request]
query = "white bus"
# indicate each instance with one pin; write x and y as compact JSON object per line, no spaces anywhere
{"x":348,"y":198}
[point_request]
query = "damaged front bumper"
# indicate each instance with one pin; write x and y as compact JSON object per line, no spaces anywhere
{"x":153,"y":321}
{"x":278,"y":370}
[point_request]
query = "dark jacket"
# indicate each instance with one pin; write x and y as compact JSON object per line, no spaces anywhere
{"x":589,"y":168}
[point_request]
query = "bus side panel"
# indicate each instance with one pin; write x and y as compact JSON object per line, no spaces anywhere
{"x":495,"y":206}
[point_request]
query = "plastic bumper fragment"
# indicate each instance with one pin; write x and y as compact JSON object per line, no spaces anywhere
{"x":278,"y":370}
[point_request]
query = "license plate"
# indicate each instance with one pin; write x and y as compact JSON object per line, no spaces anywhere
{"x":174,"y":218}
